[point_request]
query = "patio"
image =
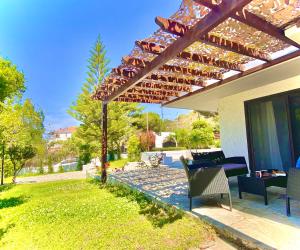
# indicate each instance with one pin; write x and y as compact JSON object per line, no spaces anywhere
{"x":265,"y":226}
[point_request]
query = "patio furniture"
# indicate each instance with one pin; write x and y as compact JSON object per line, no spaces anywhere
{"x":233,"y":166}
{"x":253,"y":184}
{"x":206,"y":181}
{"x":293,"y":188}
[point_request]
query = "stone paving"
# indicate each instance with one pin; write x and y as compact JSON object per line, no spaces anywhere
{"x":266,"y":226}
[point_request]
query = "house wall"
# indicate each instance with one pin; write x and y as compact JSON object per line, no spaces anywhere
{"x":232,"y":115}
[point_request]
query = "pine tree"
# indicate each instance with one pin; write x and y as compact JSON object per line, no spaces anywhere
{"x":87,"y":111}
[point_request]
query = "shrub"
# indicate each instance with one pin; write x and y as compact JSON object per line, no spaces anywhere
{"x":169,"y":149}
{"x":61,"y":169}
{"x":50,"y":166}
{"x":147,"y":140}
{"x":169,"y":142}
{"x":79,"y":165}
{"x":134,"y":148}
{"x":217,"y":143}
{"x":41,"y":170}
{"x":202,"y":134}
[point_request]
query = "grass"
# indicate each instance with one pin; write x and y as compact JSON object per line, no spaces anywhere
{"x":77,"y":214}
{"x":118,"y":163}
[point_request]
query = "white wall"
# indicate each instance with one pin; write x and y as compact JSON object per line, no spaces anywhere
{"x":159,"y":139}
{"x":232,"y":115}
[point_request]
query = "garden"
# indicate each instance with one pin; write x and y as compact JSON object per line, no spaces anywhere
{"x":45,"y":216}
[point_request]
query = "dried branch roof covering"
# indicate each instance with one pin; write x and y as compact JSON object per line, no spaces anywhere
{"x":245,"y":41}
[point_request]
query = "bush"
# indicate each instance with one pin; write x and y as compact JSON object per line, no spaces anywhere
{"x":168,"y":149}
{"x":50,"y":166}
{"x":147,"y":140}
{"x":202,"y":134}
{"x":134,"y":148}
{"x":79,"y":165}
{"x":61,"y":169}
{"x":41,"y":170}
{"x":217,"y":143}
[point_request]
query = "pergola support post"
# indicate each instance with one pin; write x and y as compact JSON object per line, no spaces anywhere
{"x":104,"y":143}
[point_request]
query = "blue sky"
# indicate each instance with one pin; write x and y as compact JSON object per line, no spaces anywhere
{"x":50,"y":42}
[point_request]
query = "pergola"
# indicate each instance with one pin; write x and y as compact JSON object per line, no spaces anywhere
{"x":205,"y":44}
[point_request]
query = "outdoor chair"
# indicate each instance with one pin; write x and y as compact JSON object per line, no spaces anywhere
{"x":293,"y":188}
{"x":233,"y":166}
{"x":206,"y":181}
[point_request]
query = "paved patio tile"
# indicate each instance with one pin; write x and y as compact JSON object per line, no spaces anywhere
{"x":250,"y":218}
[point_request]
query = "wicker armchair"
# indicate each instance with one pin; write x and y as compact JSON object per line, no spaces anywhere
{"x":293,"y":188}
{"x":206,"y":181}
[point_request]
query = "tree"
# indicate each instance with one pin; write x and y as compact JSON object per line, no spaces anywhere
{"x":155,"y":123}
{"x":202,"y":135}
{"x":147,"y":140}
{"x":22,"y":132}
{"x":11,"y":80}
{"x":19,"y":155}
{"x":134,"y":148}
{"x":11,"y":84}
{"x":181,"y":137}
{"x":121,"y":116}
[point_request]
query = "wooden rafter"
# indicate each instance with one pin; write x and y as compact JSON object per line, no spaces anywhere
{"x":158,"y":49}
{"x":151,"y":92}
{"x":139,"y":100}
{"x":172,"y":79}
{"x":137,"y":96}
{"x":139,"y":91}
{"x":254,"y":21}
{"x":243,"y":74}
{"x":162,"y":86}
{"x":140,"y":63}
{"x":179,"y":29}
{"x":158,"y":77}
{"x":202,"y":27}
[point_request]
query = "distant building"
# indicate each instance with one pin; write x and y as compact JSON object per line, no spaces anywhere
{"x":62,"y":134}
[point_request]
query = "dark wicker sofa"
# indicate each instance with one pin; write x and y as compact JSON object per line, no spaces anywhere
{"x":233,"y":166}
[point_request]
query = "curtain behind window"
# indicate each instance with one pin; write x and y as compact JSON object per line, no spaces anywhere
{"x":270,"y":134}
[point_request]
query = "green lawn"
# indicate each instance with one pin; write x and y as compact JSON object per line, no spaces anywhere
{"x":117,"y":163}
{"x":79,"y":215}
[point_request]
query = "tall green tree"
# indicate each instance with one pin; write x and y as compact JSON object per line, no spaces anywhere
{"x":151,"y":120}
{"x":11,"y":80}
{"x":22,"y":132}
{"x":11,"y":85}
{"x":88,"y":111}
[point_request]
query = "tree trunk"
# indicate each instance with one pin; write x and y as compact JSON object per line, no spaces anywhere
{"x":2,"y":165}
{"x":104,"y":143}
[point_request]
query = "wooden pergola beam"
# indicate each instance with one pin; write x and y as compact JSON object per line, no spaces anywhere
{"x":176,"y":80}
{"x":242,"y":74}
{"x":138,"y":96}
{"x":161,"y":86}
{"x":202,"y":27}
{"x":254,"y":21}
{"x":151,"y":92}
{"x":158,"y":49}
{"x":140,"y":63}
{"x":150,"y":85}
{"x":141,"y":100}
{"x":157,"y":77}
{"x":179,"y":29}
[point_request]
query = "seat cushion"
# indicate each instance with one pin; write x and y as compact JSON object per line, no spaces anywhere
{"x":230,"y":166}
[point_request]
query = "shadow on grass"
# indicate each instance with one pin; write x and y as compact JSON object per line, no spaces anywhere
{"x":5,"y":230}
{"x":11,"y":202}
{"x":6,"y":187}
{"x":157,"y":213}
